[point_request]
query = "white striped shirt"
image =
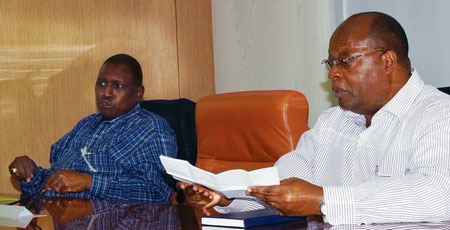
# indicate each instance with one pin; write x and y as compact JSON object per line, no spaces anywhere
{"x":396,"y":170}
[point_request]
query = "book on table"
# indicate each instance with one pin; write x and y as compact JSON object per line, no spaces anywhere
{"x":248,"y":219}
{"x":231,"y":183}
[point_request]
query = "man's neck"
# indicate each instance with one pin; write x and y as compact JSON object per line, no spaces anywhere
{"x":368,"y":119}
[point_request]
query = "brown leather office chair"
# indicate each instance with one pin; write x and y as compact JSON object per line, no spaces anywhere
{"x":248,"y":130}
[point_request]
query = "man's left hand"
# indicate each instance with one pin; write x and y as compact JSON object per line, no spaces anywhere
{"x":67,"y":210}
{"x":293,"y":197}
{"x":63,"y":181}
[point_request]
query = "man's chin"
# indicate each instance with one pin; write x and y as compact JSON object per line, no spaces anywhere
{"x":107,"y":114}
{"x":345,"y":106}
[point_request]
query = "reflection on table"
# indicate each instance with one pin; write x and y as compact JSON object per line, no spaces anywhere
{"x":106,"y":214}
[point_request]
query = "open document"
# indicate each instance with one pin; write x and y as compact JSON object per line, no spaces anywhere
{"x":231,"y":183}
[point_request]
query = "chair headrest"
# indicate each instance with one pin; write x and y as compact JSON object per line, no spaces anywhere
{"x":249,"y":129}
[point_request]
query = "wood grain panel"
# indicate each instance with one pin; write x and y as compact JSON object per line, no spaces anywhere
{"x":50,"y":53}
{"x":195,"y":48}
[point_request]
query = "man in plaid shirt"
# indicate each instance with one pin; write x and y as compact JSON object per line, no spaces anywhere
{"x":112,"y":154}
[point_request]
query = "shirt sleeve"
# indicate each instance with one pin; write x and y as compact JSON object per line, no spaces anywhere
{"x":39,"y":178}
{"x":423,"y":193}
{"x":139,"y":153}
{"x":41,"y":175}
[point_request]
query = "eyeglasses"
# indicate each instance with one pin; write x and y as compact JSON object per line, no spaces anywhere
{"x":328,"y":64}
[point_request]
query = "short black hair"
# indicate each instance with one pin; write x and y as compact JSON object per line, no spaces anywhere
{"x":131,"y":63}
{"x":388,"y":33}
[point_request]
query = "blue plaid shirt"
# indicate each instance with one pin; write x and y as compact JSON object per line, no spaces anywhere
{"x":121,"y":154}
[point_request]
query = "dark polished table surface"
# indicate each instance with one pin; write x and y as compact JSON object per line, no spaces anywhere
{"x":103,"y":214}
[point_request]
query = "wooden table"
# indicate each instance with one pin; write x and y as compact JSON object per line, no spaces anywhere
{"x":103,"y":214}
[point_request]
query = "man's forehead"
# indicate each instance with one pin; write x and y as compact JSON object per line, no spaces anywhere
{"x":116,"y":71}
{"x":351,"y":35}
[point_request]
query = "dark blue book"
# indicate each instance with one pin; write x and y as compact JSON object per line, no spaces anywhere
{"x":249,"y":219}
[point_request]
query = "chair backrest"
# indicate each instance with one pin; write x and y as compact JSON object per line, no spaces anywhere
{"x":180,"y":114}
{"x":445,"y":90}
{"x":248,"y":130}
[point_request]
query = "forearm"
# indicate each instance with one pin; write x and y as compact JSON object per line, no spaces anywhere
{"x":128,"y":188}
{"x":408,"y":198}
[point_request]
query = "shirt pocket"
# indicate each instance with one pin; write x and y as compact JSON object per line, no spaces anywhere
{"x":393,"y":165}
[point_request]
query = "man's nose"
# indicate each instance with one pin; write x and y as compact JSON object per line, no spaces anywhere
{"x":108,"y":90}
{"x":335,"y":72}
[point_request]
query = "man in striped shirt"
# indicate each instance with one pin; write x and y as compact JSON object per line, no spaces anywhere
{"x":382,"y":155}
{"x":111,"y":154}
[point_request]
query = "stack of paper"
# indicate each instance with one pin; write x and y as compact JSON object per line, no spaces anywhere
{"x":247,"y":219}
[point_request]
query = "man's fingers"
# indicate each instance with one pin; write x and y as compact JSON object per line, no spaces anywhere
{"x":16,"y":174}
{"x":274,"y":190}
{"x":182,"y":185}
{"x":257,"y":190}
{"x":22,"y":168}
{"x":49,"y":183}
{"x":20,"y":173}
{"x":47,"y":187}
{"x":29,"y":170}
{"x":189,"y":190}
{"x":25,"y":172}
{"x":213,"y":202}
{"x":63,"y":189}
{"x":259,"y":196}
{"x":198,"y":197}
{"x":206,"y":212}
{"x":194,"y":189}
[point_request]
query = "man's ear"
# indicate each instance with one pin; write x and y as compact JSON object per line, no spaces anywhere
{"x":140,"y":92}
{"x":390,"y":61}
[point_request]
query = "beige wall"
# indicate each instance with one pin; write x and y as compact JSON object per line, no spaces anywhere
{"x":50,"y":52}
{"x":274,"y":45}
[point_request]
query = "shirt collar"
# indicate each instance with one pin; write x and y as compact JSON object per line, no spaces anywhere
{"x":126,"y":115}
{"x":359,"y":119}
{"x":399,"y":104}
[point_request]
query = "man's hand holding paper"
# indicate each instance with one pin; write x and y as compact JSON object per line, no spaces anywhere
{"x":202,"y":198}
{"x":231,"y":183}
{"x":204,"y":189}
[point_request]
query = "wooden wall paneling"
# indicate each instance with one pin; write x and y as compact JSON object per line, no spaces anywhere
{"x":195,"y":48}
{"x":50,"y":53}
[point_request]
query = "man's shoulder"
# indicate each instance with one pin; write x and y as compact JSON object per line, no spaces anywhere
{"x":336,"y":116}
{"x":433,"y":97}
{"x":333,"y":113}
{"x":149,"y":119}
{"x":92,"y":118}
{"x":433,"y":103}
{"x":146,"y":116}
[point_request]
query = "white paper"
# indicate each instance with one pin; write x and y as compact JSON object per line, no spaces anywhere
{"x":231,"y":183}
{"x":15,"y":212}
{"x":20,"y":223}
